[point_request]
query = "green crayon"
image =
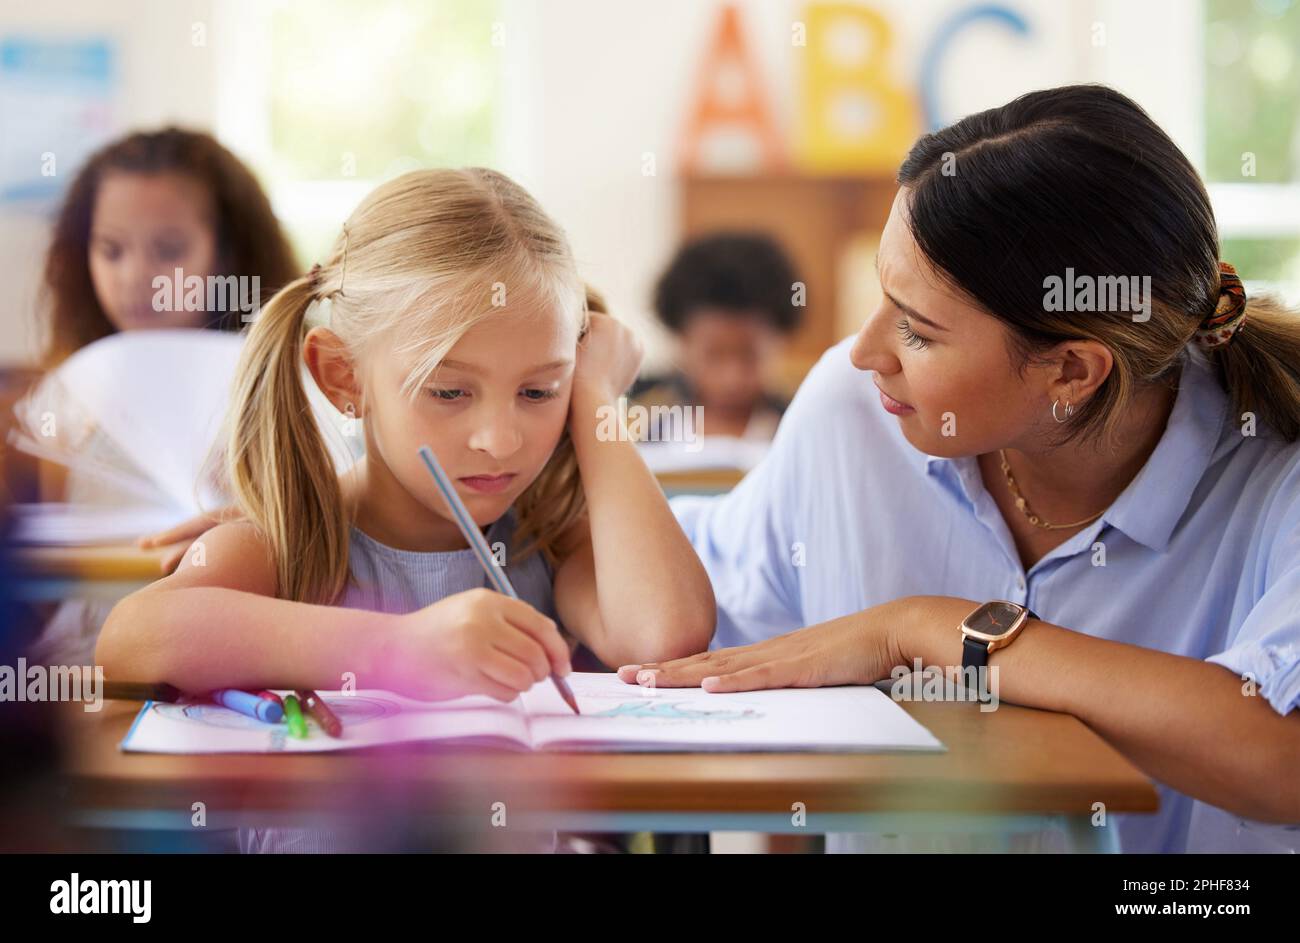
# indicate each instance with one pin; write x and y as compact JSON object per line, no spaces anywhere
{"x":293,"y":717}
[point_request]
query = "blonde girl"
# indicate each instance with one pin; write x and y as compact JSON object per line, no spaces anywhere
{"x":450,"y":313}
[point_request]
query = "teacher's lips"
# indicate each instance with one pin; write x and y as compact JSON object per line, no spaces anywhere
{"x":897,"y":407}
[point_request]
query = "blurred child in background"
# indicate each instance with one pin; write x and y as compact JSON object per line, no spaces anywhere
{"x":728,"y":300}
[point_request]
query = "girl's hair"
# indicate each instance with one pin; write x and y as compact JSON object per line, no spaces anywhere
{"x":417,"y":264}
{"x":1080,"y":177}
{"x":248,"y":236}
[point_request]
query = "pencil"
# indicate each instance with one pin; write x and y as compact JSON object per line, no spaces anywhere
{"x":481,"y":550}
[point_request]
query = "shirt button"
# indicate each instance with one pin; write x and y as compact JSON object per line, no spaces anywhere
{"x":1020,"y":582}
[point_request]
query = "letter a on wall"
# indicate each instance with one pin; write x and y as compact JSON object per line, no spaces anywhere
{"x":729,"y":128}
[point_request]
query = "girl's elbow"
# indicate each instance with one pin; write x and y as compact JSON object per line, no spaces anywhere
{"x":686,"y":634}
{"x":121,"y":651}
{"x":701,"y":621}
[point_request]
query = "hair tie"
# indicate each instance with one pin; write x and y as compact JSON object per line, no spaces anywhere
{"x":1229,"y":315}
{"x":318,"y":311}
{"x":347,"y":239}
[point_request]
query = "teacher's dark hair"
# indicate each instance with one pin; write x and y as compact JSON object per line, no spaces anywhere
{"x":1081,"y":178}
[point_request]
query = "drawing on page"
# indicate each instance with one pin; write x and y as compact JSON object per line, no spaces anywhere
{"x":666,"y":711}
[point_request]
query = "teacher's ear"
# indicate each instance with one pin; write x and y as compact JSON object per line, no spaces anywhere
{"x":1074,"y":369}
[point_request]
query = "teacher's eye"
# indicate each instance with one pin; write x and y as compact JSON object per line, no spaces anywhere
{"x":448,"y":396}
{"x":910,"y":337}
{"x":535,"y":395}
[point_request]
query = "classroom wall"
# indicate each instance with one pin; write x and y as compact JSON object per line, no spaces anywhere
{"x":594,"y":85}
{"x":589,"y":133}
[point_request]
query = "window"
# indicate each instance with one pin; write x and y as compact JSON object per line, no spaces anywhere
{"x":328,"y":99}
{"x":1252,"y":136}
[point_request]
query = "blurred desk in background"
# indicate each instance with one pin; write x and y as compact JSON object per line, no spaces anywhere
{"x":107,"y":571}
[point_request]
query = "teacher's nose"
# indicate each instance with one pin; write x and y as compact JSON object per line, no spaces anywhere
{"x":871,"y":349}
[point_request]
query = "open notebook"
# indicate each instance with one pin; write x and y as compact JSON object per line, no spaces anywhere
{"x":616,"y":717}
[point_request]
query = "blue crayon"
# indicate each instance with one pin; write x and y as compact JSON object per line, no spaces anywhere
{"x":249,"y":704}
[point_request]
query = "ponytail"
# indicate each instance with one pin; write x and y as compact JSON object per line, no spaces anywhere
{"x":281,"y":473}
{"x":1260,"y":366}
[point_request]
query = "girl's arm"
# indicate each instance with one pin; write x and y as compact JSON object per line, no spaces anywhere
{"x":631,"y":587}
{"x":219,"y":625}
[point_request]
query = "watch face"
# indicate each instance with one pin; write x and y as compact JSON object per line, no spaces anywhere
{"x":994,"y":618}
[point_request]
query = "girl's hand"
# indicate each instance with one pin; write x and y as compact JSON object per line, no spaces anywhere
{"x":856,"y":649}
{"x":609,"y":356}
{"x":184,"y":534}
{"x":475,"y":642}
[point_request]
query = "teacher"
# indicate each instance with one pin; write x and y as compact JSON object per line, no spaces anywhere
{"x":1064,"y":402}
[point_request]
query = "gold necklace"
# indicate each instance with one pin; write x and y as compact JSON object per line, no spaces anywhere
{"x":1023,"y":505}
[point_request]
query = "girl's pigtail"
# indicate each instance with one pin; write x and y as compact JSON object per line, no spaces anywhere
{"x":281,"y":473}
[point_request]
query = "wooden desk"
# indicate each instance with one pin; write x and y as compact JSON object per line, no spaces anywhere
{"x":1009,"y":770}
{"x":706,"y":481}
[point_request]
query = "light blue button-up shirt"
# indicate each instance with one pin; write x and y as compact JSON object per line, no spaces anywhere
{"x":1200,"y":555}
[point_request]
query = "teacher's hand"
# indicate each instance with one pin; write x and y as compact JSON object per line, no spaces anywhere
{"x":860,"y":648}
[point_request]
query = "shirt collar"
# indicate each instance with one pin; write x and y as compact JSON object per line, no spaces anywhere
{"x":1154,"y":501}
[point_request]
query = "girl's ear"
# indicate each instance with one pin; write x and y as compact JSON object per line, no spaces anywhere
{"x":332,"y":367}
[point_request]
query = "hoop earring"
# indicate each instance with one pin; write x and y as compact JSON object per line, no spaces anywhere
{"x":1069,"y":410}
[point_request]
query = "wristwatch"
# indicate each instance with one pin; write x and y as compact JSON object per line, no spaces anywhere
{"x":992,"y":626}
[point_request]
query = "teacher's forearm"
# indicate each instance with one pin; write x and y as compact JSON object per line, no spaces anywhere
{"x":1187,"y":723}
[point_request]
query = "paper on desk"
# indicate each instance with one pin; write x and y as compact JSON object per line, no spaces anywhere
{"x":616,"y":717}
{"x":856,"y":719}
{"x":704,"y":454}
{"x":369,"y":717}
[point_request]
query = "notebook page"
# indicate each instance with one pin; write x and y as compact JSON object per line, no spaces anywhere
{"x":623,"y":717}
{"x":369,"y":717}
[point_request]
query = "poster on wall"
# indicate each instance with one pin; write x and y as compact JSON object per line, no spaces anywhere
{"x":57,"y":96}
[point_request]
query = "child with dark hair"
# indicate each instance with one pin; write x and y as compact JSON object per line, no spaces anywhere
{"x":149,"y":205}
{"x":146,"y":205}
{"x":728,"y":299}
